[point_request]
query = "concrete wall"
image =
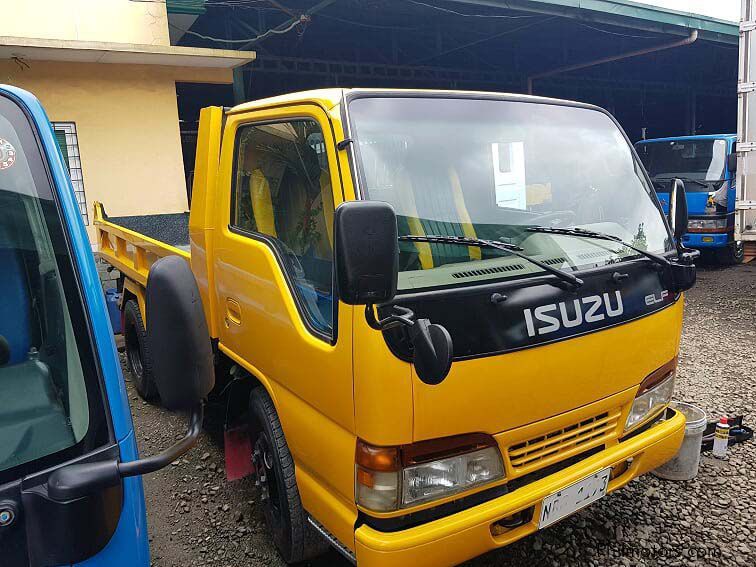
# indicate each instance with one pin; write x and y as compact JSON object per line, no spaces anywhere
{"x":127,"y":123}
{"x":119,"y":21}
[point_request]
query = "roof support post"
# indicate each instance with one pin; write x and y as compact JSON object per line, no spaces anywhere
{"x":240,"y":91}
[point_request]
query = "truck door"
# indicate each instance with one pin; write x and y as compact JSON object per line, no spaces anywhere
{"x":53,"y":406}
{"x":278,"y":185}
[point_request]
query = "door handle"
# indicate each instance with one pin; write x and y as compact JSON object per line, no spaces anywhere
{"x":233,"y":312}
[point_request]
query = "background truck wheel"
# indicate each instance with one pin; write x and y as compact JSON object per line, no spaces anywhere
{"x":138,"y":359}
{"x":731,"y":254}
{"x":293,"y":535}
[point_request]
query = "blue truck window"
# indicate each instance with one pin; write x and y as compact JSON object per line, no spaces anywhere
{"x":699,"y":160}
{"x":52,"y":407}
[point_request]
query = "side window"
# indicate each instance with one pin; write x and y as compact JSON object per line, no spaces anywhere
{"x":282,"y":189}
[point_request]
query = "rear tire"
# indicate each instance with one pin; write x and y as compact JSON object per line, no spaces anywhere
{"x":732,"y":254}
{"x":138,"y":360}
{"x":287,"y":521}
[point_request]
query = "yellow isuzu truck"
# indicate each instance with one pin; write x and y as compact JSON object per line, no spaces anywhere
{"x":452,"y":318}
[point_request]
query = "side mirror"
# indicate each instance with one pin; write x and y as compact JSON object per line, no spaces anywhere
{"x":177,"y":335}
{"x":678,"y":209}
{"x":732,"y":161}
{"x":367,"y":252}
{"x":433,"y":351}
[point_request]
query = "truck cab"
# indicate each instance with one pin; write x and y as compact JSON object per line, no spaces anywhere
{"x":706,"y":164}
{"x":70,"y":485}
{"x":455,"y":316}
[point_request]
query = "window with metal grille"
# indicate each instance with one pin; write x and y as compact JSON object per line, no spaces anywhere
{"x":68,"y":140}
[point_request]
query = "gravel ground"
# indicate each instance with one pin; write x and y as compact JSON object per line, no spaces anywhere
{"x":197,"y":518}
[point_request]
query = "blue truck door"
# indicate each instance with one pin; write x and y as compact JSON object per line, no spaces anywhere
{"x":62,"y":398}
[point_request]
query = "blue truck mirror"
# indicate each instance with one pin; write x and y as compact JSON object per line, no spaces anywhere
{"x":732,"y":162}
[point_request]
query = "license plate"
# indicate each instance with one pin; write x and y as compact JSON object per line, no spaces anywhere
{"x":576,"y":496}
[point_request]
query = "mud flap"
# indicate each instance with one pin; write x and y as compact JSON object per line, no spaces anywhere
{"x":238,"y":449}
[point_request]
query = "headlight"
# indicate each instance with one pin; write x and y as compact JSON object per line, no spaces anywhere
{"x":437,"y":479}
{"x":703,"y":225}
{"x":390,"y":478}
{"x":654,"y":394}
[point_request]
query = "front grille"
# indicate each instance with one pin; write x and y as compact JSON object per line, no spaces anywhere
{"x":487,"y":271}
{"x":563,"y":443}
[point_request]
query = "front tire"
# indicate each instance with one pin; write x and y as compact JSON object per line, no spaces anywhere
{"x":732,"y":254}
{"x":292,"y":533}
{"x":138,"y":360}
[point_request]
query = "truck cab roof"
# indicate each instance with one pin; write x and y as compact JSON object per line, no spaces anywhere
{"x":329,"y":98}
{"x":731,"y":137}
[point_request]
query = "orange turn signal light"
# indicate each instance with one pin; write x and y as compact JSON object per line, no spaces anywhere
{"x":384,"y":459}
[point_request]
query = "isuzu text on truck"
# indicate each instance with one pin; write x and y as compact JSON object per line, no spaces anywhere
{"x":455,"y":316}
{"x":70,"y":490}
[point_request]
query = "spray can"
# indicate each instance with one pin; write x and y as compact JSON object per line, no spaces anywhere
{"x":721,"y":436}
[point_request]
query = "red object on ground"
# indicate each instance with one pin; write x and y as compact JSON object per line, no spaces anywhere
{"x":238,"y":449}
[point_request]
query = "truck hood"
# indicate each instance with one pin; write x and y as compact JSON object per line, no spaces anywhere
{"x":543,"y":350}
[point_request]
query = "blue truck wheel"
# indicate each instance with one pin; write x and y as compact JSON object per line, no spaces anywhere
{"x":732,"y":254}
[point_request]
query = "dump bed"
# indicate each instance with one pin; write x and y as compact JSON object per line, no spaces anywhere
{"x":133,"y":243}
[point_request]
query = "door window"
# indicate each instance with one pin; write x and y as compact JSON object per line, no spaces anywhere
{"x":50,"y":405}
{"x":282,"y":192}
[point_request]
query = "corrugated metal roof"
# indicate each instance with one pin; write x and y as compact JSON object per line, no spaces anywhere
{"x":194,"y":7}
{"x":625,"y":13}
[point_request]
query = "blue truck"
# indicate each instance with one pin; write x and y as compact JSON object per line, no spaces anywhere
{"x":70,"y":476}
{"x":706,"y":164}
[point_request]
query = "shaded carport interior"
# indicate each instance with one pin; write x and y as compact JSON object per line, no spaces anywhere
{"x":491,"y":45}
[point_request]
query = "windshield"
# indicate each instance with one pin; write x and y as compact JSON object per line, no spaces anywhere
{"x":701,"y":160}
{"x":492,"y":168}
{"x":50,"y":407}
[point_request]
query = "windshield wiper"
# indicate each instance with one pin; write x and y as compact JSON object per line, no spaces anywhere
{"x":661,"y":260}
{"x":686,"y":179}
{"x":512,"y":249}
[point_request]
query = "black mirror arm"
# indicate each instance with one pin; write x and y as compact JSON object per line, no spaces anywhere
{"x":432,"y":344}
{"x":421,"y":339}
{"x":162,"y":460}
{"x":686,"y":255}
{"x":401,"y":316}
{"x":79,"y":480}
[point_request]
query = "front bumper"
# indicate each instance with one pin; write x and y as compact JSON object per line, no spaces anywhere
{"x":461,"y":536}
{"x":706,"y":239}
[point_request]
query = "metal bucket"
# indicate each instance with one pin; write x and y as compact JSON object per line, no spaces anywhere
{"x":684,"y":465}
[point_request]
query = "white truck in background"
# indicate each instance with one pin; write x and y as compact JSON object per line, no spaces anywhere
{"x":745,"y":207}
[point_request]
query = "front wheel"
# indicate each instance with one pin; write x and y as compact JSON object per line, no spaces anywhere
{"x":733,"y":253}
{"x":287,"y":521}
